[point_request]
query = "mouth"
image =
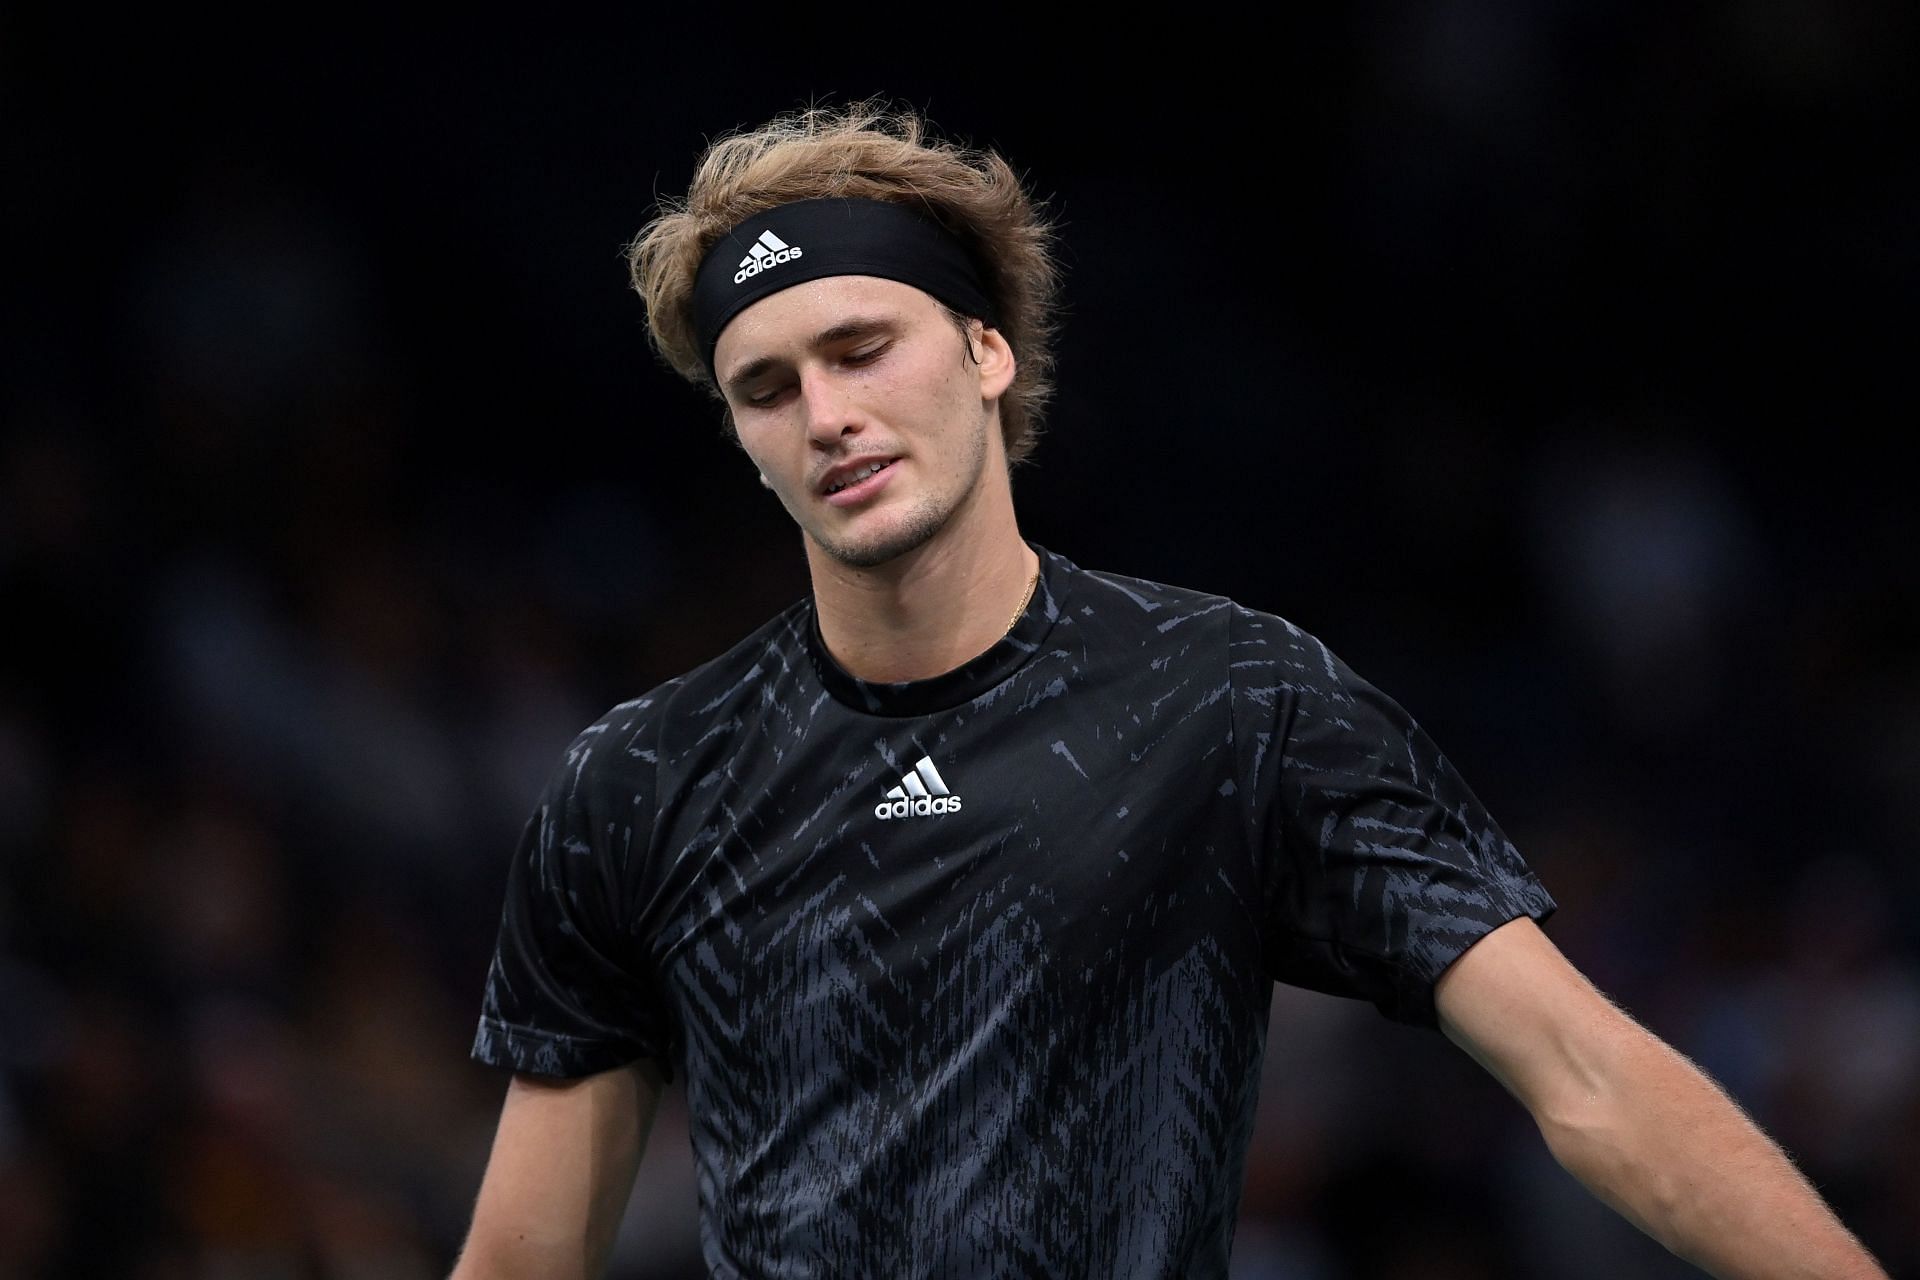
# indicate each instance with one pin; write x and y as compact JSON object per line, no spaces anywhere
{"x":859,"y":484}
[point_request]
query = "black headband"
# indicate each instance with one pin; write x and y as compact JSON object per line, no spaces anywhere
{"x":809,"y":239}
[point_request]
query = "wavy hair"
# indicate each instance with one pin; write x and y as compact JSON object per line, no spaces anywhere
{"x":866,"y":150}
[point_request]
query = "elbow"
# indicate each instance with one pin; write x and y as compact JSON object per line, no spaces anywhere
{"x":1595,"y":1139}
{"x":1607,"y":1120}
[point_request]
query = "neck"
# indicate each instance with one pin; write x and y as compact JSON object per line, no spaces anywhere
{"x":926,"y":612}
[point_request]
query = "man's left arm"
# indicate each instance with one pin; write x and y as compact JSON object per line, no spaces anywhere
{"x":1643,"y":1128}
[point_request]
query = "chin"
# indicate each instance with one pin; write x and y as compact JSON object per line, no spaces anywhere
{"x":871,"y":550}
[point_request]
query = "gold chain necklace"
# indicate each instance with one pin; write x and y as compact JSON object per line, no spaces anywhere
{"x":1032,"y":582}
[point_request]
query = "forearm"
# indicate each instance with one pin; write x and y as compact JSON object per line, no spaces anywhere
{"x":1654,"y":1138}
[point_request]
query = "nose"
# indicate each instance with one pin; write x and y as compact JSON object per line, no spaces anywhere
{"x":829,"y":414}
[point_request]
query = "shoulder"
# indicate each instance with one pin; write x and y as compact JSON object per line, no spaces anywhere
{"x":1269,"y":670}
{"x":1099,"y":599}
{"x":627,"y":739}
{"x":1103,"y":599}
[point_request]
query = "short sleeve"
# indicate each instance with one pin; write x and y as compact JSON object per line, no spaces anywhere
{"x":1379,"y":866}
{"x":569,"y":993}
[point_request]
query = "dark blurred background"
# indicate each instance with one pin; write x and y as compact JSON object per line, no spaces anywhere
{"x":1546,"y":360}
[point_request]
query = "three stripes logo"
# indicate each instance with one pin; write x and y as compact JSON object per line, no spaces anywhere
{"x":920,"y":794}
{"x":768,"y":251}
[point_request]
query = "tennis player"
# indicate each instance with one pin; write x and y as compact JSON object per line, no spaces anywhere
{"x":956,"y":891}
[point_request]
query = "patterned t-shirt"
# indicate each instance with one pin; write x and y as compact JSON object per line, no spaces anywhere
{"x":970,"y":976}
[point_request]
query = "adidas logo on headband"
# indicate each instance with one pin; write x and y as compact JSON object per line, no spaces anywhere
{"x":768,"y":251}
{"x":844,"y":236}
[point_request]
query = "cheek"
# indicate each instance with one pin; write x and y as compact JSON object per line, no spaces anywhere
{"x":898,"y":386}
{"x":761,"y":442}
{"x":933,"y":393}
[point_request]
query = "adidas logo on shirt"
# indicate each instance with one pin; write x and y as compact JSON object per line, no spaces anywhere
{"x":768,"y":251}
{"x":920,"y":794}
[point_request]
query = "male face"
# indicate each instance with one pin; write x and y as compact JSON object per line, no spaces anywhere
{"x":833,"y":377}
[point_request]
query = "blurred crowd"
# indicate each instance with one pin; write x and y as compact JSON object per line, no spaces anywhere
{"x":287,"y":656}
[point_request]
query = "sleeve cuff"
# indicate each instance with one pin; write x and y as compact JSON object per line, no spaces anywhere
{"x":1413,"y":1003}
{"x":551,"y":1053}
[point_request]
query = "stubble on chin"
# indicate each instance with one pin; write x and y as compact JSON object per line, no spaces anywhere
{"x":911,"y":534}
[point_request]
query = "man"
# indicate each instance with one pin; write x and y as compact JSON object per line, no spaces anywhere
{"x":957,"y":890}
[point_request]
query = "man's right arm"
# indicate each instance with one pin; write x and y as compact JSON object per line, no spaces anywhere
{"x":562,"y":1167}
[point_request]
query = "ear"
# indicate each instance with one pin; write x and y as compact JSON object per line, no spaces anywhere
{"x":995,"y":363}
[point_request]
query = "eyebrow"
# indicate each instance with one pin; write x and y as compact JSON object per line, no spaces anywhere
{"x":846,"y":330}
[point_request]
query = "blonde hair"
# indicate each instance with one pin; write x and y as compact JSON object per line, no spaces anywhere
{"x":866,"y":150}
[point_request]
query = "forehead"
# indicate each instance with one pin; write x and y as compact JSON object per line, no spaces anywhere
{"x":785,"y":322}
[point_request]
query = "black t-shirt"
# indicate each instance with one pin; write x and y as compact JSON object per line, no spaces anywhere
{"x":970,"y":976}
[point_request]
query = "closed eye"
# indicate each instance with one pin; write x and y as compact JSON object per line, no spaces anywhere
{"x":856,"y":359}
